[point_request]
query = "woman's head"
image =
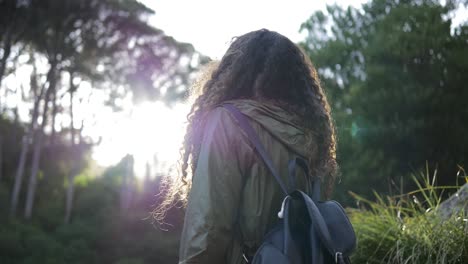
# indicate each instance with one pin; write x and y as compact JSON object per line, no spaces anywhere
{"x":262,"y":64}
{"x":265,"y":66}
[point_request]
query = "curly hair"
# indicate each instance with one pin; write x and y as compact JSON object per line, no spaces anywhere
{"x":265,"y":66}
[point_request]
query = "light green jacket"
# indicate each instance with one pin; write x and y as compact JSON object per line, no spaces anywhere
{"x":234,"y":199}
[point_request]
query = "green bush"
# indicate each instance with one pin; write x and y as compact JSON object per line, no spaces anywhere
{"x":408,"y":229}
{"x":24,"y":243}
{"x":4,"y":198}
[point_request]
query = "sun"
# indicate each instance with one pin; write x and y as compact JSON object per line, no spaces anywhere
{"x":151,"y":132}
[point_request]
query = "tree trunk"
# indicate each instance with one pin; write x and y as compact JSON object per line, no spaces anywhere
{"x":1,"y":157}
{"x":70,"y":193}
{"x":38,"y":142}
{"x":74,"y":169}
{"x":54,"y":115}
{"x":33,"y":177}
{"x":72,"y":118}
{"x":126,"y":189}
{"x":24,"y":148}
{"x":80,"y":133}
{"x":16,"y":116}
{"x":147,"y":186}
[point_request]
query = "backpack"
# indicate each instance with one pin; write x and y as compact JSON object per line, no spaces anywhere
{"x":309,"y":231}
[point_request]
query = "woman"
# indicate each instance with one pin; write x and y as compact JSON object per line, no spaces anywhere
{"x":233,"y":200}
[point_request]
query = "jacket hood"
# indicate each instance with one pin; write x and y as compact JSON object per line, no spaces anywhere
{"x":277,"y":121}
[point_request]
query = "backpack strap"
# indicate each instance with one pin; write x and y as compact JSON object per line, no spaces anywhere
{"x":293,"y":163}
{"x":253,"y":138}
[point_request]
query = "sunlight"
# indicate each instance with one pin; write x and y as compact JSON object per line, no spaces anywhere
{"x":151,"y":132}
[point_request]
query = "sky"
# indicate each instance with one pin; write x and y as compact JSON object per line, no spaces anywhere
{"x":210,"y":25}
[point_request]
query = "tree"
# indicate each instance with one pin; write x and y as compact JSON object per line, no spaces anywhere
{"x":27,"y":138}
{"x":13,"y":27}
{"x":106,"y":43}
{"x":127,"y":184}
{"x":394,"y":75}
{"x":1,"y":157}
{"x":78,"y":150}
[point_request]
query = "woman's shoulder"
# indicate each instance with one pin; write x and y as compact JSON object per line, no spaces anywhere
{"x":219,"y":122}
{"x":270,"y":118}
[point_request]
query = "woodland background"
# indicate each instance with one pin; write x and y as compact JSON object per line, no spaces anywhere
{"x":395,"y":72}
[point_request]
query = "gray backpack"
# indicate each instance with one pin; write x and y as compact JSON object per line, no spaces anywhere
{"x":309,"y":231}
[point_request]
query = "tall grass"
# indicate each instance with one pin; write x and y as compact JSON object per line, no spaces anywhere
{"x":409,"y":229}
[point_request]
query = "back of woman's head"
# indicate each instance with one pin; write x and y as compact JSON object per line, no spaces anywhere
{"x":265,"y":66}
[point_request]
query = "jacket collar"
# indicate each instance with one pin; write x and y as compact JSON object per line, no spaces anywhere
{"x":277,"y":121}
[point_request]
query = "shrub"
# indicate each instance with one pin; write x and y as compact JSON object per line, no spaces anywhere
{"x":408,"y":228}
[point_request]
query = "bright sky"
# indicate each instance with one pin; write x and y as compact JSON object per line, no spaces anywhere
{"x":210,"y":25}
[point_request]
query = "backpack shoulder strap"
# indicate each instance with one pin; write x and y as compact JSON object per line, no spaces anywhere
{"x":253,"y":138}
{"x":315,"y":183}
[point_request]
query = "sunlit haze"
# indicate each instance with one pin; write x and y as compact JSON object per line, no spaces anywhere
{"x":151,"y":132}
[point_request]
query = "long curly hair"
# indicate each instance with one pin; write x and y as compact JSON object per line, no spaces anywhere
{"x":265,"y":66}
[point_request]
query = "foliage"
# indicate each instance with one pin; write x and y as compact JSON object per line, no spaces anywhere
{"x":393,"y":71}
{"x":65,"y":46}
{"x":109,"y":43}
{"x":98,"y":233}
{"x":408,"y":228}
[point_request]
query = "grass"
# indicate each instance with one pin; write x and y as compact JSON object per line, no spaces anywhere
{"x":408,"y":228}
